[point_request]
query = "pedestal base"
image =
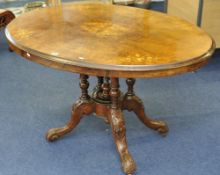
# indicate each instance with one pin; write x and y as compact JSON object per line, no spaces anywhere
{"x":108,"y":103}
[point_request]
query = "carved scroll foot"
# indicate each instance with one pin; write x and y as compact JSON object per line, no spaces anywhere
{"x":133,"y":103}
{"x":80,"y":109}
{"x":119,"y":133}
{"x":84,"y":106}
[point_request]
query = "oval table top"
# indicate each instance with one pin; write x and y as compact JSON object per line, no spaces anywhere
{"x":108,"y":40}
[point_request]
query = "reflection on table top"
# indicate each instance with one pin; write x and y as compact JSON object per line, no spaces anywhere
{"x":109,"y":37}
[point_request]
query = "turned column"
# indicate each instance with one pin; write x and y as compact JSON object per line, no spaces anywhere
{"x":84,"y":85}
{"x":98,"y":87}
{"x":131,"y":102}
{"x":106,"y":89}
{"x":130,"y":83}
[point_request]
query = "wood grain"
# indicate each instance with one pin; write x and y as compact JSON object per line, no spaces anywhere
{"x":109,"y":40}
{"x":188,"y":10}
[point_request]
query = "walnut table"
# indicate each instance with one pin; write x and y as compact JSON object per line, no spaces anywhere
{"x":109,"y":42}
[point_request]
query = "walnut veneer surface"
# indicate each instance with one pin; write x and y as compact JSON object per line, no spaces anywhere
{"x":109,"y":40}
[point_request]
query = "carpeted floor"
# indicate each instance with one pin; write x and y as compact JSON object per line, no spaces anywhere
{"x":34,"y":98}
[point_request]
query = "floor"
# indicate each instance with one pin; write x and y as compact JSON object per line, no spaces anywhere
{"x":34,"y":98}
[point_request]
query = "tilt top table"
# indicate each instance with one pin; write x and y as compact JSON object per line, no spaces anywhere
{"x":109,"y":42}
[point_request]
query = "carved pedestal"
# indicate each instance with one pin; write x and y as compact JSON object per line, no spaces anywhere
{"x":108,"y":102}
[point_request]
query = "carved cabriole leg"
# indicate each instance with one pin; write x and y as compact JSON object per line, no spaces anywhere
{"x":118,"y":128}
{"x":97,"y":91}
{"x":83,"y":106}
{"x":133,"y":103}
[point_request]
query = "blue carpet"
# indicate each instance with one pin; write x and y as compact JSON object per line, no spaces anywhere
{"x":34,"y":98}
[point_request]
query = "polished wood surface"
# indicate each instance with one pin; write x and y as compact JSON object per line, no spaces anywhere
{"x":109,"y":40}
{"x":204,"y":13}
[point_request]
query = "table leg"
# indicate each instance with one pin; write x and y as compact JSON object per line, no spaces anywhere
{"x":133,"y":103}
{"x":107,"y":103}
{"x":83,"y":106}
{"x":118,"y":128}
